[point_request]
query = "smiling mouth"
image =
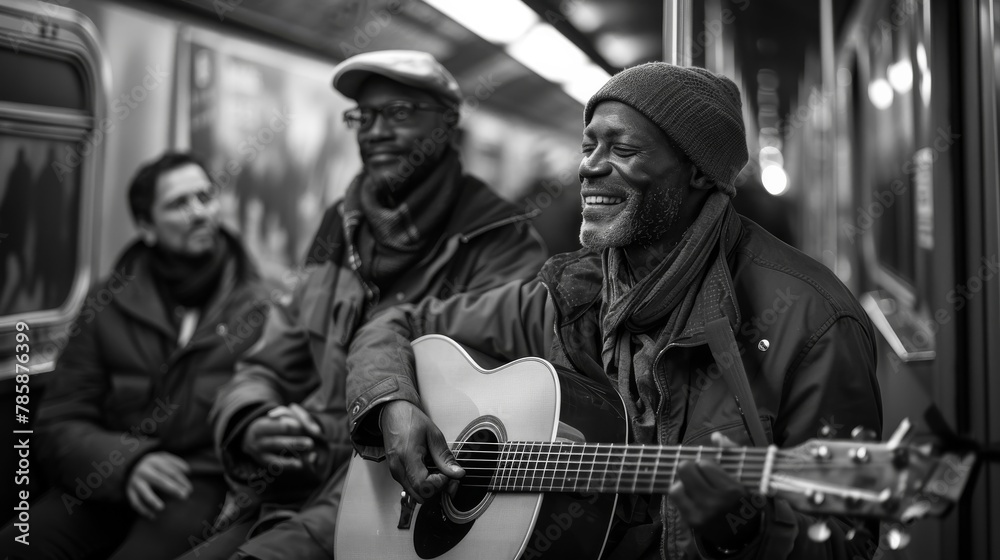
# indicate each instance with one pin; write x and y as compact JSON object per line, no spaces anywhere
{"x":603,"y":200}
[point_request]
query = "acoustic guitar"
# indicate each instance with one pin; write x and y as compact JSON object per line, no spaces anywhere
{"x":544,"y":467}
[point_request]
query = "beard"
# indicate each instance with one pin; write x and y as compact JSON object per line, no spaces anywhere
{"x":647,"y":217}
{"x":393,"y":182}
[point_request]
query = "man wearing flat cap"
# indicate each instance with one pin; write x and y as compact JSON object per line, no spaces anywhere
{"x":677,"y":303}
{"x":411,"y":225}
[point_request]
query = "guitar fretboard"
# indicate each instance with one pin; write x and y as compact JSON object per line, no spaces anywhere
{"x":602,"y":468}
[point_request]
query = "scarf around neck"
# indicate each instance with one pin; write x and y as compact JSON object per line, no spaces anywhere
{"x":188,"y":280}
{"x":650,"y":311}
{"x":387,"y":240}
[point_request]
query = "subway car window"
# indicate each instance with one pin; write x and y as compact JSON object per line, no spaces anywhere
{"x":42,"y":80}
{"x":890,"y":130}
{"x":39,"y":210}
{"x":51,"y":143}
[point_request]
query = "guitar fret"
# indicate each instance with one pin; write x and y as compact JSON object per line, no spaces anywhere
{"x":656,"y":471}
{"x":621,"y":468}
{"x":677,"y":461}
{"x":515,"y":459}
{"x":537,"y":478}
{"x":548,"y":458}
{"x":590,"y":477}
{"x":524,"y":465}
{"x":739,"y":473}
{"x":569,"y":461}
{"x":635,"y":477}
{"x":499,"y":473}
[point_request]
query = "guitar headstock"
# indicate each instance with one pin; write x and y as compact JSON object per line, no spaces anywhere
{"x":897,"y":481}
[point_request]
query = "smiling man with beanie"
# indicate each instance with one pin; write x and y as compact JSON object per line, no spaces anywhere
{"x":679,"y":304}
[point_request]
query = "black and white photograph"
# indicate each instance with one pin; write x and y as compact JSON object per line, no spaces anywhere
{"x":500,"y":279}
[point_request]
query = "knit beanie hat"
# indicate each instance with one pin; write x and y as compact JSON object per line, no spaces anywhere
{"x":699,"y":111}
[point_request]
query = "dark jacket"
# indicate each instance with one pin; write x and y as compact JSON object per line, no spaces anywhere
{"x":817,"y":369}
{"x":122,"y":387}
{"x":302,"y":358}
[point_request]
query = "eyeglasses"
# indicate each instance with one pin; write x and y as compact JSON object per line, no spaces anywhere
{"x":362,"y":118}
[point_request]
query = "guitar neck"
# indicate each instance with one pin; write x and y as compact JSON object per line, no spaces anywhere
{"x":601,"y":468}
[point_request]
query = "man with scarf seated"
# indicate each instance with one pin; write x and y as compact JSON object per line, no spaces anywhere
{"x":670,"y":284}
{"x":123,"y":429}
{"x":411,"y":225}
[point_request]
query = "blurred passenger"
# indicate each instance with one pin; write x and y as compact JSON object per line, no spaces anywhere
{"x":123,"y":430}
{"x":672,"y":284}
{"x":412,"y":224}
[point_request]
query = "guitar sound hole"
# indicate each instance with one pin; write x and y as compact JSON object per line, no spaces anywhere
{"x":479,"y":457}
{"x":442,"y":524}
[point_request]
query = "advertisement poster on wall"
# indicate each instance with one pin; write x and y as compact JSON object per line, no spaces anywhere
{"x":269,"y":127}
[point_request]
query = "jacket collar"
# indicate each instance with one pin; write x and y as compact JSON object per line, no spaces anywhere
{"x":477,"y":211}
{"x":140,"y":299}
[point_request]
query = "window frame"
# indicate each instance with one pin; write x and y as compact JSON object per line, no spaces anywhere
{"x":69,"y":36}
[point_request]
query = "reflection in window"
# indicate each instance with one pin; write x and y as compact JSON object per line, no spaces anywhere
{"x":38,"y":225}
{"x":897,"y":65}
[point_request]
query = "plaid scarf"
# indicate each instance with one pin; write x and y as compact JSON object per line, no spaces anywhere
{"x":387,"y":240}
{"x":639,"y":317}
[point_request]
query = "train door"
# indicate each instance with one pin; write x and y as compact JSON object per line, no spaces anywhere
{"x":979,"y":250}
{"x":52,"y":107}
{"x":924,"y":221}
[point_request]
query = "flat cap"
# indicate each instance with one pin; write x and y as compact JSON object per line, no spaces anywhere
{"x":416,"y":69}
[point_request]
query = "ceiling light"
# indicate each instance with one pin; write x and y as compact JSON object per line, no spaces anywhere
{"x":880,"y":93}
{"x":588,"y":79}
{"x":770,"y":155}
{"x":499,"y":21}
{"x":548,"y":53}
{"x":587,"y":18}
{"x":900,"y":75}
{"x":775,"y":180}
{"x":622,"y":50}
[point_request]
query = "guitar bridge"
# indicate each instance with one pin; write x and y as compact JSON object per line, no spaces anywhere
{"x":407,"y":505}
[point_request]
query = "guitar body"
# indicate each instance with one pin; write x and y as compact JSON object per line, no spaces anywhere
{"x":525,"y":400}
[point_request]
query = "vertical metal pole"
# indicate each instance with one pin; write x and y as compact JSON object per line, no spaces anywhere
{"x":677,"y":32}
{"x":715,"y":58}
{"x":828,"y":171}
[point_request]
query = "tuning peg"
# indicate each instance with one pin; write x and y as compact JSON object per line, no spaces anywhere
{"x":859,"y":454}
{"x":819,"y":531}
{"x":821,"y":453}
{"x":861,"y":433}
{"x":853,"y":531}
{"x":897,"y":539}
{"x":816,"y":498}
